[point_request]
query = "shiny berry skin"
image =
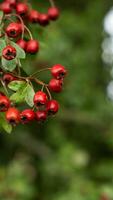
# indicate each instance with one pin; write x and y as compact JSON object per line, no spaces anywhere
{"x":55,"y":85}
{"x":41,"y":116}
{"x":53,"y":13}
{"x":9,"y":52}
{"x":13,"y":116}
{"x":32,"y":46}
{"x":40,"y":98}
{"x":7,"y":78}
{"x":22,"y":9}
{"x":52,"y":107}
{"x":43,"y":19}
{"x":58,"y":71}
{"x":5,"y":7}
{"x":11,"y":2}
{"x":4,"y":103}
{"x":14,"y":29}
{"x":34,"y":16}
{"x":22,"y":43}
{"x":26,"y":116}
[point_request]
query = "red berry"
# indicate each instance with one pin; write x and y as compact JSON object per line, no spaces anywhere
{"x":2,"y":94}
{"x":32,"y":46}
{"x":13,"y":115}
{"x":22,"y":9}
{"x":55,"y":85}
{"x":53,"y":13}
{"x":52,"y":107}
{"x":14,"y":29}
{"x":22,"y":43}
{"x":4,"y":103}
{"x":40,"y":98}
{"x":41,"y":116}
{"x":5,"y":7}
{"x":11,"y":2}
{"x":58,"y":71}
{"x":27,"y":116}
{"x":9,"y":52}
{"x":43,"y":19}
{"x":33,"y":16}
{"x":7,"y":78}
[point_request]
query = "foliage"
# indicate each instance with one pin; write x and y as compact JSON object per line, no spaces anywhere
{"x":71,"y":156}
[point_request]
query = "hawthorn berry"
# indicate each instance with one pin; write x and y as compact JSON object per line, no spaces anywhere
{"x":4,"y":103}
{"x":14,"y":29}
{"x":27,"y":116}
{"x":22,"y":9}
{"x":34,"y":16}
{"x":13,"y":116}
{"x":5,"y":7}
{"x":58,"y":71}
{"x":7,"y":78}
{"x":9,"y":52}
{"x":40,"y":98}
{"x":52,"y":107}
{"x":32,"y":46}
{"x":41,"y":116}
{"x":53,"y":13}
{"x":43,"y":19}
{"x":22,"y":43}
{"x":11,"y":2}
{"x":55,"y":85}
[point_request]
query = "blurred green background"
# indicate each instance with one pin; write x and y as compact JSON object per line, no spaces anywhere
{"x":70,"y":157}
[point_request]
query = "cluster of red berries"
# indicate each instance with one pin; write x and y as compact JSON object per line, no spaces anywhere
{"x":44,"y":106}
{"x":33,"y":16}
{"x":13,"y":48}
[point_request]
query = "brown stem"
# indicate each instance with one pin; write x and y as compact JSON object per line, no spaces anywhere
{"x":45,"y":69}
{"x":52,"y":3}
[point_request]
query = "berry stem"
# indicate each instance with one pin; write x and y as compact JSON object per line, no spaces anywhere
{"x":50,"y":97}
{"x":5,"y":88}
{"x":45,"y":69}
{"x":30,"y":34}
{"x":52,"y":3}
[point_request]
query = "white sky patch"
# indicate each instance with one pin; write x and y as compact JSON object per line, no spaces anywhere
{"x":108,"y":23}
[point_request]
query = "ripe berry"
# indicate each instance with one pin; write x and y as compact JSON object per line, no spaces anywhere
{"x":9,"y":52}
{"x":22,"y":43}
{"x":41,"y":116}
{"x":7,"y":78}
{"x":52,"y":107}
{"x":32,"y":46}
{"x":22,"y":9}
{"x":58,"y":71}
{"x":55,"y":85}
{"x":4,"y":103}
{"x":43,"y":19}
{"x":13,"y":116}
{"x":11,"y":2}
{"x":40,"y":98}
{"x":2,"y":94}
{"x":33,"y":16}
{"x":27,"y":116}
{"x":14,"y":29}
{"x":5,"y":7}
{"x":53,"y":13}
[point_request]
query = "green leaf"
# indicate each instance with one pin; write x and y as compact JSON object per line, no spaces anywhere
{"x":29,"y":95}
{"x":16,"y":85}
{"x":9,"y":65}
{"x":4,"y":124}
{"x":1,"y":16}
{"x":19,"y":96}
{"x":20,"y":52}
{"x":2,"y":46}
